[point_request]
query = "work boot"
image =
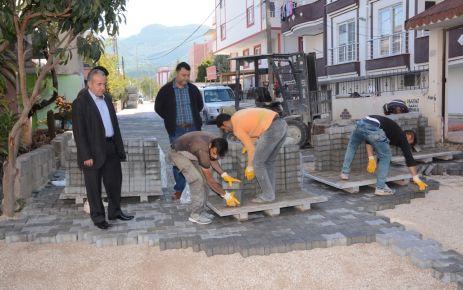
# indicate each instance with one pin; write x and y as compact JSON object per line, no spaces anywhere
{"x":177,"y":195}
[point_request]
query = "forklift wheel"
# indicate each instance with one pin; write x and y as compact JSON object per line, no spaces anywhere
{"x":297,"y":131}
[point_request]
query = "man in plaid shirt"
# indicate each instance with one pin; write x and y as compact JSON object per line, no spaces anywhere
{"x":179,"y":103}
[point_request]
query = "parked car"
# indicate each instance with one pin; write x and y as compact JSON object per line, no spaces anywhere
{"x":216,"y":97}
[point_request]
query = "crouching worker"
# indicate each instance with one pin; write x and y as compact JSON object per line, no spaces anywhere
{"x":378,"y":133}
{"x":194,"y":154}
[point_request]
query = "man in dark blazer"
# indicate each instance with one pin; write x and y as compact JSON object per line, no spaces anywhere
{"x":179,"y":103}
{"x":99,"y":148}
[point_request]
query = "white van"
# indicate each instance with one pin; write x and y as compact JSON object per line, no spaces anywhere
{"x":215,"y":97}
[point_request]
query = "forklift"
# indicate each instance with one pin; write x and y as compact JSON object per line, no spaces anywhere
{"x":295,"y":91}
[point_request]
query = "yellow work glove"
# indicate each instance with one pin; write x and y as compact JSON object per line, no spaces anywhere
{"x":244,"y":150}
{"x":229,"y":179}
{"x":421,"y":185}
{"x":230,"y":199}
{"x":249,"y":173}
{"x":371,"y":168}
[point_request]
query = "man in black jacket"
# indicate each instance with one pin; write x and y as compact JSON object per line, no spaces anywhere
{"x":179,"y":103}
{"x":99,"y":148}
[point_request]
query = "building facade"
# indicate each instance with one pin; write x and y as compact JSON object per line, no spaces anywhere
{"x":196,"y":54}
{"x":162,"y":75}
{"x":241,"y":30}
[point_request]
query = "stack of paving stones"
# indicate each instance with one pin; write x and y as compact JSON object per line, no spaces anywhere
{"x":141,"y":173}
{"x":330,"y":143}
{"x":330,"y":149}
{"x":287,"y":170}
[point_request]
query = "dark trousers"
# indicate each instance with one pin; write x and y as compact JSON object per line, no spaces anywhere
{"x":180,"y":182}
{"x":111,"y":174}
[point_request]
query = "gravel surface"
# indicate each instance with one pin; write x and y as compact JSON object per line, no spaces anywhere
{"x":438,"y":216}
{"x":83,"y":266}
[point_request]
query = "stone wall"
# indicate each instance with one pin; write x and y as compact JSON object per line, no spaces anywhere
{"x":35,"y":167}
{"x":141,"y":173}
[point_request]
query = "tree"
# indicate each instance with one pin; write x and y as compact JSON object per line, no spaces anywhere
{"x":148,"y":86}
{"x":222,"y":63}
{"x":202,"y":73}
{"x":117,"y":83}
{"x":61,"y":23}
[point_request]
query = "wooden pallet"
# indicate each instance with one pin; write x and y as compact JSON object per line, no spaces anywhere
{"x":427,"y":156}
{"x":79,"y":198}
{"x":357,"y":179}
{"x":298,"y":199}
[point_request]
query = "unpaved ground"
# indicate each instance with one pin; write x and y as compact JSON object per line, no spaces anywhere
{"x":439,"y":216}
{"x":83,"y":266}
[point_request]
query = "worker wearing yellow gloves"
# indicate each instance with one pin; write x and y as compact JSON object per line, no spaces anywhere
{"x":267,"y":131}
{"x":195,"y":154}
{"x":378,"y":132}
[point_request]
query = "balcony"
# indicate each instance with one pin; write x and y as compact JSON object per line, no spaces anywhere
{"x":388,"y":51}
{"x":343,"y":59}
{"x":332,"y":6}
{"x":304,"y":16}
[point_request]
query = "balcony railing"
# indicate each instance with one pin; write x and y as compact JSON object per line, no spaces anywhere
{"x":375,"y":85}
{"x":343,"y":54}
{"x":305,"y":12}
{"x":388,"y":45}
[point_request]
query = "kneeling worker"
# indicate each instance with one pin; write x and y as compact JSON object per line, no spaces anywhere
{"x":378,"y":132}
{"x":194,"y":154}
{"x":265,"y":128}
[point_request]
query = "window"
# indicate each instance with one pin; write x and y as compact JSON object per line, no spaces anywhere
{"x":272,"y":9}
{"x":246,"y":53}
{"x":346,"y":51}
{"x":223,"y":32}
{"x":250,"y":15}
{"x":391,"y":27}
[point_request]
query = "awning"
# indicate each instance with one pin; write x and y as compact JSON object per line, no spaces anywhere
{"x":446,"y":14}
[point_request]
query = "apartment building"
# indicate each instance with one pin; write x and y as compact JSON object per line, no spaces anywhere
{"x":364,"y":49}
{"x":241,"y":30}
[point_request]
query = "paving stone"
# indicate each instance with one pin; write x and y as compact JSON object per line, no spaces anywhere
{"x":65,"y":237}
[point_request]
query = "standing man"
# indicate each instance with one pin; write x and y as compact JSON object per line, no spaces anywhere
{"x":99,"y":148}
{"x":265,"y":128}
{"x":194,"y":154}
{"x":179,"y":103}
{"x":378,"y":132}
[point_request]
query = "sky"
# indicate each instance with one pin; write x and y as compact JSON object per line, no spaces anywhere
{"x":141,"y":13}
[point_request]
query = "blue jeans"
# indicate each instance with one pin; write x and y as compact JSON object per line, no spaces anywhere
{"x":180,"y":181}
{"x":266,"y":152}
{"x":369,"y":131}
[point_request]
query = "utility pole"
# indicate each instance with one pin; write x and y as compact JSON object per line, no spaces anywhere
{"x":268,"y":30}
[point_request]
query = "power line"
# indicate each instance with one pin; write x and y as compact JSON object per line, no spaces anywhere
{"x":167,"y":52}
{"x":189,"y":36}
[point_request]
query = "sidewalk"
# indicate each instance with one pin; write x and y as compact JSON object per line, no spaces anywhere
{"x":345,"y":219}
